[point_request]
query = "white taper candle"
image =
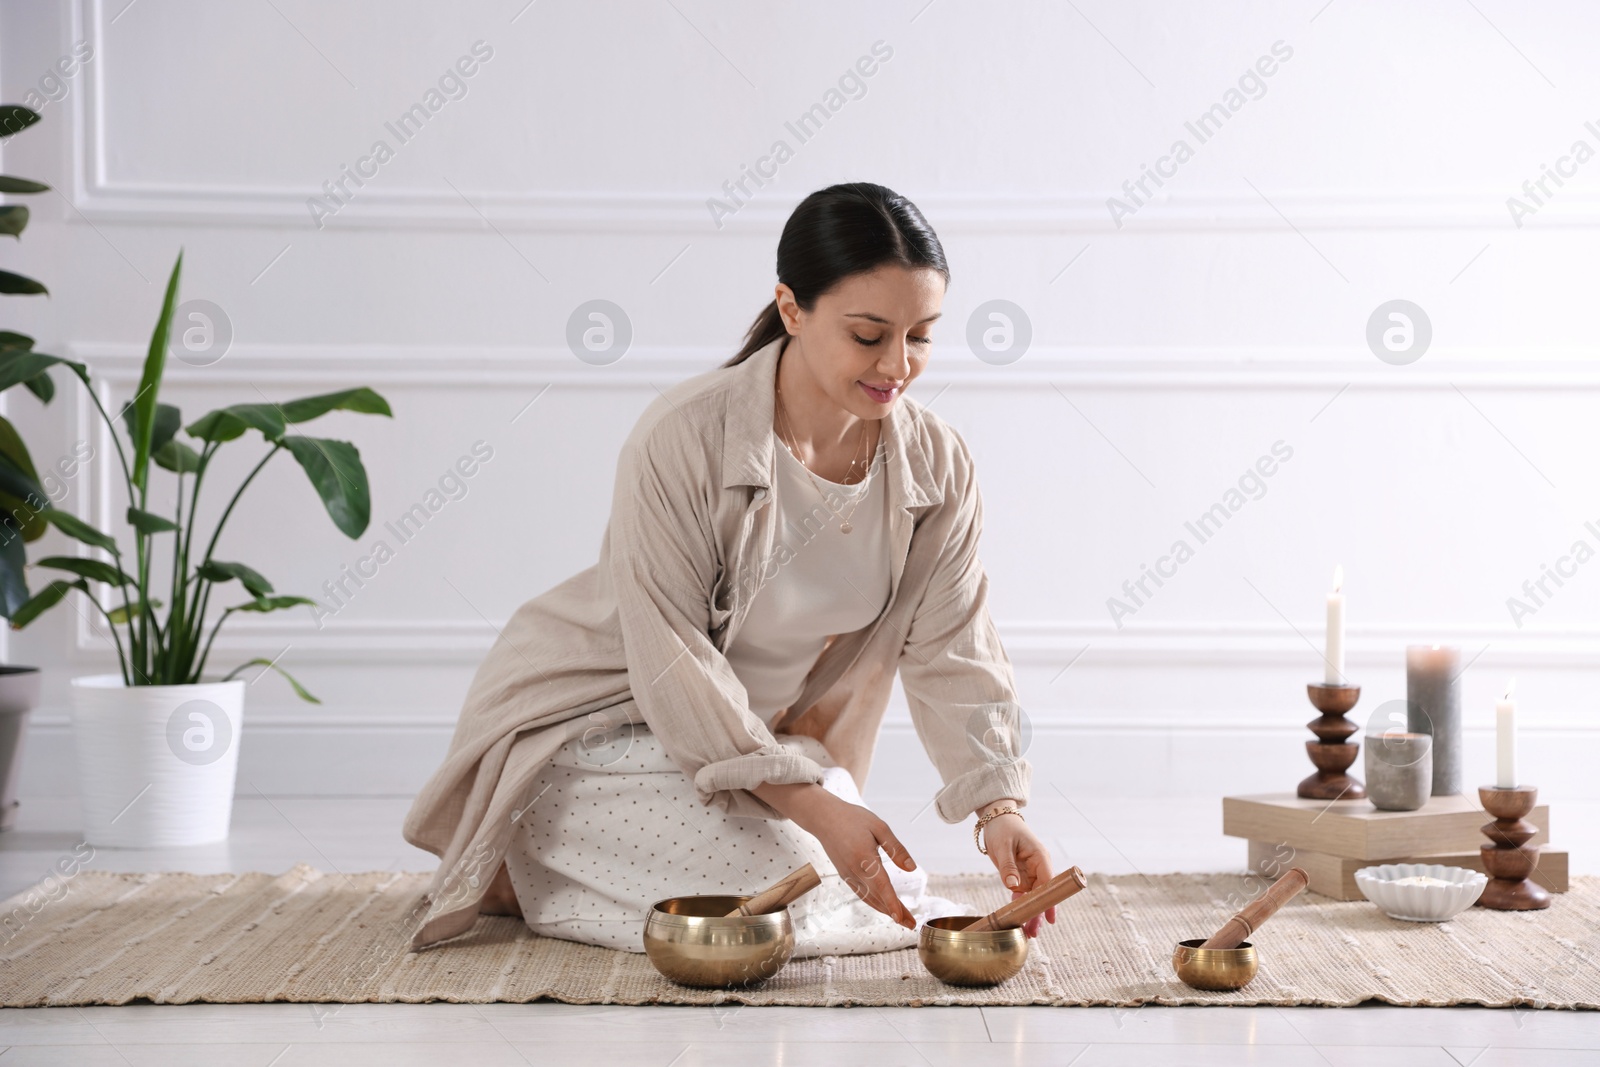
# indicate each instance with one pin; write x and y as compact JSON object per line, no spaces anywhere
{"x":1505,"y":714}
{"x":1334,"y":659}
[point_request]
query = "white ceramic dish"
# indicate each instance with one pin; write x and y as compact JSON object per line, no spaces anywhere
{"x":1421,"y":903}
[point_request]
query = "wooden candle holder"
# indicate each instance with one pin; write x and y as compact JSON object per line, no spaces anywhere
{"x":1333,"y":752}
{"x":1510,"y":859}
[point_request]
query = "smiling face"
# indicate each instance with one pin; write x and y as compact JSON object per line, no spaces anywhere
{"x":864,"y":342}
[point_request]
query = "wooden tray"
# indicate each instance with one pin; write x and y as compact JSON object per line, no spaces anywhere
{"x":1354,"y":829}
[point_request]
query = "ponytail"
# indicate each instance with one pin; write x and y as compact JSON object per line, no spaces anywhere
{"x":767,"y":328}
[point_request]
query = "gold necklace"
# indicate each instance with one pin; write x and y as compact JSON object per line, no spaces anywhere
{"x":845,"y":525}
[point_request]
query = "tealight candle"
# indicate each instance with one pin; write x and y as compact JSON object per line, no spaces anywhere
{"x":1422,"y":879}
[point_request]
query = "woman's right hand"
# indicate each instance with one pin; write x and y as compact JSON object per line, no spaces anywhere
{"x":852,"y":836}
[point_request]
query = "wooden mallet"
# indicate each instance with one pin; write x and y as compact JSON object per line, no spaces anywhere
{"x":1239,"y":928}
{"x":1033,"y":903}
{"x":780,"y":894}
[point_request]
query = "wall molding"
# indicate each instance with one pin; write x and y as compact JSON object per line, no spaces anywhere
{"x":686,"y":214}
{"x":99,"y":197}
{"x":1305,"y":368}
{"x":1104,"y":724}
{"x":317,"y":756}
{"x":1028,"y":643}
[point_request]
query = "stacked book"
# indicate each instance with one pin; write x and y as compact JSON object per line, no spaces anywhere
{"x":1331,"y":840}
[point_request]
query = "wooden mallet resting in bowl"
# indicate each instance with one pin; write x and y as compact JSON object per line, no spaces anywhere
{"x":989,"y":949}
{"x":1226,"y":960}
{"x":782,"y":893}
{"x":1241,"y":926}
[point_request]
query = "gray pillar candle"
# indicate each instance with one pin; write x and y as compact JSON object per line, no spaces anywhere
{"x":1433,"y":696}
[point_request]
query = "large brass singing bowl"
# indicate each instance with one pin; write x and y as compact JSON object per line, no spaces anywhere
{"x":1215,"y":969}
{"x":988,"y":958}
{"x":692,"y":942}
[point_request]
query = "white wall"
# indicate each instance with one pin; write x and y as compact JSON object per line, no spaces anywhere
{"x":1168,"y":353}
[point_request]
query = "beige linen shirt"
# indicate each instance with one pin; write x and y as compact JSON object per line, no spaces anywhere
{"x":639,"y":638}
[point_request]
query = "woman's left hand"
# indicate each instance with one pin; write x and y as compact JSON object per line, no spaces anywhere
{"x":1022,"y":860}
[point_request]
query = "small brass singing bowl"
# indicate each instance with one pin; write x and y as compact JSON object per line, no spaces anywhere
{"x":953,"y":955}
{"x":692,"y":941}
{"x":1217,"y":969}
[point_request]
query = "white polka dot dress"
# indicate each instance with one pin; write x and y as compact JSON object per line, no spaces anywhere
{"x":612,"y":828}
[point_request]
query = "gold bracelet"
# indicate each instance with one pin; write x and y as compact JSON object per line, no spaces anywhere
{"x":983,"y":820}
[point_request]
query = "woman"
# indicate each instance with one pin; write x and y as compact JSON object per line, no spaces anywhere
{"x":697,"y":712}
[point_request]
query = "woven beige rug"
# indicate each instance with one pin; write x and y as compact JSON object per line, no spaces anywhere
{"x":306,"y":935}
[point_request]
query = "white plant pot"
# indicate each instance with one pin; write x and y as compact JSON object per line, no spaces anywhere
{"x":19,"y":694}
{"x":156,"y":763}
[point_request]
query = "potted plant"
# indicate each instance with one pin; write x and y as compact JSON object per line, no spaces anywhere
{"x":19,"y":686}
{"x":158,"y":744}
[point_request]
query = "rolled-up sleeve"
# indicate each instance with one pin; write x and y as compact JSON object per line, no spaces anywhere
{"x":957,"y":678}
{"x":662,"y":562}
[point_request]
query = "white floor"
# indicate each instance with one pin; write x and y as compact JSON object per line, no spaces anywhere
{"x":354,"y":834}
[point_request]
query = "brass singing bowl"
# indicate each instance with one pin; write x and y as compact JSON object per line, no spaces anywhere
{"x":960,"y":958}
{"x":692,"y":941}
{"x":1214,"y":968}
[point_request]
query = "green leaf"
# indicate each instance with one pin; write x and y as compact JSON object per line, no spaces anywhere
{"x":27,"y":515}
{"x":335,"y":469}
{"x":225,"y":424}
{"x":22,"y":498}
{"x":75,"y":527}
{"x":21,"y":485}
{"x":42,"y":386}
{"x":155,"y":365}
{"x":39,"y":383}
{"x":99,"y":570}
{"x":168,"y":419}
{"x":363,"y":400}
{"x":178,"y":457}
{"x":12,"y":448}
{"x":265,"y":604}
{"x":13,"y":558}
{"x":18,"y":366}
{"x":14,"y":118}
{"x":16,"y":284}
{"x":44,"y":600}
{"x":21,"y":185}
{"x":213,"y":570}
{"x":120,"y":612}
{"x":17,"y":474}
{"x":299,"y":689}
{"x":148,"y":522}
{"x":13,"y":219}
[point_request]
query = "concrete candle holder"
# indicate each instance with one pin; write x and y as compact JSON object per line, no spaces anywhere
{"x":1399,"y":770}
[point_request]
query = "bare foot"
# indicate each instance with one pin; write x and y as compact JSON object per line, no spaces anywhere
{"x":500,"y":898}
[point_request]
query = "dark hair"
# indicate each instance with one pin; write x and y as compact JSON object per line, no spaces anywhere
{"x":837,"y":232}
